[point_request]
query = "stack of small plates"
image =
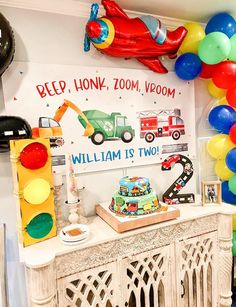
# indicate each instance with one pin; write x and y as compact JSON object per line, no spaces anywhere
{"x":74,"y":234}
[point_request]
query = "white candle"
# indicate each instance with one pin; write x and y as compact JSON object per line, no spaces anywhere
{"x":71,"y":182}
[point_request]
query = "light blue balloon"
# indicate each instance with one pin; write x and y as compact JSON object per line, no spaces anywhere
{"x":232,"y":54}
{"x":214,"y":48}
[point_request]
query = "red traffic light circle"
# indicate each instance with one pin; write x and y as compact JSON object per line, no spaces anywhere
{"x":34,"y":156}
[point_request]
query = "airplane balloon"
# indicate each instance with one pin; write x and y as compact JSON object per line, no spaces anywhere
{"x":144,"y":38}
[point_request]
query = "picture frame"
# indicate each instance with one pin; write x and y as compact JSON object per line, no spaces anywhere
{"x":211,"y":192}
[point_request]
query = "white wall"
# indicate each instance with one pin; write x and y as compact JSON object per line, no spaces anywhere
{"x":50,"y":38}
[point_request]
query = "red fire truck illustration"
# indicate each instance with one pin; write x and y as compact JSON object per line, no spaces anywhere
{"x":160,"y":123}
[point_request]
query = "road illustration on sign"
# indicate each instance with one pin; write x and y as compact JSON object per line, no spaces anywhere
{"x":171,"y":195}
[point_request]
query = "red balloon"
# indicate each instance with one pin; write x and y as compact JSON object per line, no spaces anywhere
{"x":232,"y":133}
{"x":207,"y":70}
{"x":231,"y":97}
{"x":224,"y":75}
{"x":144,"y":38}
{"x":34,"y":156}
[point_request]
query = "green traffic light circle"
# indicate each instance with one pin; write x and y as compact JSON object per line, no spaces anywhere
{"x":40,"y":225}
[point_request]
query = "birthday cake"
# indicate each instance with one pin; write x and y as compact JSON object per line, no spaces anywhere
{"x":135,"y":197}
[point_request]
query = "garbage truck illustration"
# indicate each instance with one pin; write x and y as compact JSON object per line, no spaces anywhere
{"x":108,"y":126}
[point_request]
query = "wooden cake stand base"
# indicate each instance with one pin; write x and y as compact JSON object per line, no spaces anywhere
{"x":123,"y":223}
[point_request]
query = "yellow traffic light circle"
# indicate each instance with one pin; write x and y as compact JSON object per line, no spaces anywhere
{"x":37,"y":191}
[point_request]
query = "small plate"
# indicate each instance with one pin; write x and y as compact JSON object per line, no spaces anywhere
{"x":74,"y":242}
{"x":66,"y":236}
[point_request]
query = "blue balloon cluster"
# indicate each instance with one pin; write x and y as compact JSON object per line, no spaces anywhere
{"x":222,"y":118}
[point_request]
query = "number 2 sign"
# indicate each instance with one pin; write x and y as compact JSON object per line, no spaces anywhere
{"x":171,"y":195}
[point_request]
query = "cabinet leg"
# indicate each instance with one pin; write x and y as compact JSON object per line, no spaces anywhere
{"x":225,"y":260}
{"x":41,"y":284}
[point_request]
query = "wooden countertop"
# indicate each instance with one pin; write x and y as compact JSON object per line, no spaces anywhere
{"x":42,"y":253}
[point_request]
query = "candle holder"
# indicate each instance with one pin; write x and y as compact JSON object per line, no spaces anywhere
{"x":58,"y":202}
{"x":73,"y":212}
{"x":82,"y":219}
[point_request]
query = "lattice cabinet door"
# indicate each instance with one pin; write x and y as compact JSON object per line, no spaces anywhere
{"x":95,"y":287}
{"x":196,"y":263}
{"x":147,"y":279}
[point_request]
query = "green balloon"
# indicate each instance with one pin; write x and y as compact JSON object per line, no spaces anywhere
{"x":232,"y":54}
{"x":234,"y":243}
{"x":232,"y":184}
{"x":214,"y":48}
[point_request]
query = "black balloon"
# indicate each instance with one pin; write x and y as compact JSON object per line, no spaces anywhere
{"x":7,"y":44}
{"x":13,"y":128}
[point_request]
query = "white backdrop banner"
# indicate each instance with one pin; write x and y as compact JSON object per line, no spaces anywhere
{"x":137,"y":117}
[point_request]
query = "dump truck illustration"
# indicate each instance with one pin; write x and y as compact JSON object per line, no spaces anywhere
{"x":108,"y":127}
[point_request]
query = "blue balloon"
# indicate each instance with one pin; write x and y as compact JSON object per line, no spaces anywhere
{"x":188,"y":66}
{"x":222,"y":118}
{"x":222,"y":22}
{"x":231,"y":160}
{"x":227,"y":196}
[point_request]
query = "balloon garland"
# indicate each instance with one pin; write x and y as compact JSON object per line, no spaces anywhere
{"x":201,"y":50}
{"x":211,"y":54}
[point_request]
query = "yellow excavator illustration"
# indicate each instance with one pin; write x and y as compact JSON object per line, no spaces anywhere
{"x":50,"y":127}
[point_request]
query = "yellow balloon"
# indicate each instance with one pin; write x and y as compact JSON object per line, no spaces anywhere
{"x":234,"y":221}
{"x":222,"y":101}
{"x":215,"y":91}
{"x":37,"y":191}
{"x":219,"y":145}
{"x":222,"y":170}
{"x":194,"y":36}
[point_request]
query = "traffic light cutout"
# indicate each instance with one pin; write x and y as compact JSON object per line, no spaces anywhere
{"x":33,"y":184}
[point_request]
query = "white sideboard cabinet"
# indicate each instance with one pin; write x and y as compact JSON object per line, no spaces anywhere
{"x":180,"y":263}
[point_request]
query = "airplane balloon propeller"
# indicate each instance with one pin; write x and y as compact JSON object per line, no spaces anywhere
{"x":144,"y":38}
{"x":93,"y":16}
